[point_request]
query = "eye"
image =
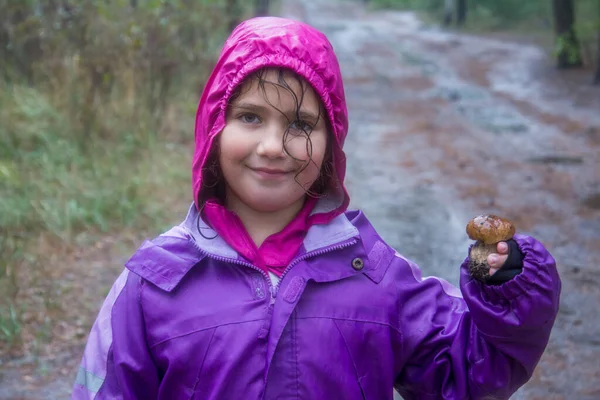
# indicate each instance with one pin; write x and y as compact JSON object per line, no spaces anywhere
{"x":301,"y":126}
{"x":249,"y":118}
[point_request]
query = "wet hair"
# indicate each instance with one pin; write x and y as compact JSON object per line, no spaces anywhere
{"x":213,"y":183}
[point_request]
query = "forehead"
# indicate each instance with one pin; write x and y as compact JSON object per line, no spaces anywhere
{"x":278,"y":86}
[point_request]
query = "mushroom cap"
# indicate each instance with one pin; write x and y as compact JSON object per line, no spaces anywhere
{"x":490,"y":229}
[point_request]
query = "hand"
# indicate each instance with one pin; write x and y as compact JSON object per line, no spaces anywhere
{"x":497,"y":260}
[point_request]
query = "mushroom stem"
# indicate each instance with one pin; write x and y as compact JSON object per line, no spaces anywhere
{"x":478,"y":266}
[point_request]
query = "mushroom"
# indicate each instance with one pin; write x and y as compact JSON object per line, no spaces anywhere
{"x":487,"y":231}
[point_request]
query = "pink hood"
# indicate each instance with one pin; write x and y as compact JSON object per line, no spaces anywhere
{"x":274,"y":42}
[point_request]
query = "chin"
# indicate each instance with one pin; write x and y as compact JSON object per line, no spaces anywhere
{"x":272,"y":200}
{"x":269,"y":205}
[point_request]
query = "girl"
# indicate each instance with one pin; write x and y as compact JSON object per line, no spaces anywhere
{"x":271,"y":289}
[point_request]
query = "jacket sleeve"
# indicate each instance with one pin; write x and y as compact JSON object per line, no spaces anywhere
{"x":116,"y":362}
{"x":483,"y":344}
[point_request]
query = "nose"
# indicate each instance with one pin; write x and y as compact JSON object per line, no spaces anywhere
{"x":271,"y":142}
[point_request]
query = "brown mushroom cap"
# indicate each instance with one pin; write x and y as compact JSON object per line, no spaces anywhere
{"x":490,"y":229}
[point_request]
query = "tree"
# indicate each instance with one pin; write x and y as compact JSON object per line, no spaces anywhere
{"x":261,"y":8}
{"x":597,"y":76}
{"x":567,"y":45}
{"x":461,"y":12}
{"x":448,"y":12}
{"x":233,"y":12}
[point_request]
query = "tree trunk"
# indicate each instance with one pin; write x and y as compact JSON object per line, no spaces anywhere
{"x":448,"y":12}
{"x":232,"y":11}
{"x":261,"y":8}
{"x":461,"y":12}
{"x":597,"y":77}
{"x":569,"y":50}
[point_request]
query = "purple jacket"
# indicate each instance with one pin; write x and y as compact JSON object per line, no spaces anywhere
{"x":189,"y":319}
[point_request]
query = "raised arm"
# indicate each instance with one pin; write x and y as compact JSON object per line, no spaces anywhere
{"x":483,"y":344}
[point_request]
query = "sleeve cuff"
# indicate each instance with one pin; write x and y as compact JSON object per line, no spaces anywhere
{"x":511,"y":268}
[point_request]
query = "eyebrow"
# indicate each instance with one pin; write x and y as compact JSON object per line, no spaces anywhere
{"x":303,"y":114}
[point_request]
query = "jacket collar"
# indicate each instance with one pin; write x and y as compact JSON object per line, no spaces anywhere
{"x":320,"y":236}
{"x":165,"y":260}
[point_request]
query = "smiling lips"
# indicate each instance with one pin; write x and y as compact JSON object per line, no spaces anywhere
{"x":270,"y":173}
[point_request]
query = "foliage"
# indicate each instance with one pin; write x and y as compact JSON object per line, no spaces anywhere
{"x":587,"y":28}
{"x":10,"y":326}
{"x":505,"y":13}
{"x":564,"y":45}
{"x":97,"y":99}
{"x":428,"y":5}
{"x":496,"y":13}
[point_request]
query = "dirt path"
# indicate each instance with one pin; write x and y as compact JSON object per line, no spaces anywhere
{"x":443,"y":127}
{"x":447,"y":126}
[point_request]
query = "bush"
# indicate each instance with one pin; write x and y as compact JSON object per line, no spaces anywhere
{"x":97,"y":100}
{"x":428,"y":5}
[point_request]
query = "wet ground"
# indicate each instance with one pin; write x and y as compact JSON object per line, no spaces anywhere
{"x":444,"y":127}
{"x":447,"y":126}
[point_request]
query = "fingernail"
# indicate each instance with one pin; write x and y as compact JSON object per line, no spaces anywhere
{"x":492,"y":260}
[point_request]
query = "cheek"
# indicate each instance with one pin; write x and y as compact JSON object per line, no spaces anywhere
{"x":319,"y":150}
{"x":302,"y":149}
{"x":233,"y":148}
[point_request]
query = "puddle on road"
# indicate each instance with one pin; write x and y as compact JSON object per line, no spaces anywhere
{"x":592,"y":201}
{"x":556,"y":159}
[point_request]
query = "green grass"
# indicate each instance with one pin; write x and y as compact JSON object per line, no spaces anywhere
{"x":53,"y":183}
{"x":10,"y":327}
{"x":129,"y":172}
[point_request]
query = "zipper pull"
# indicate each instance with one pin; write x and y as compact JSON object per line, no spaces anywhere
{"x":274,"y":290}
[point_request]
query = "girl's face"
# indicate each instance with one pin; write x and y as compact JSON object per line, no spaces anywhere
{"x":273,"y":143}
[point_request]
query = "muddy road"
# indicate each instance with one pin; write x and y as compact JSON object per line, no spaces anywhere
{"x":444,"y":126}
{"x":447,"y":126}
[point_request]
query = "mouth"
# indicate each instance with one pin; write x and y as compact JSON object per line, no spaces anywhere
{"x":270,"y":172}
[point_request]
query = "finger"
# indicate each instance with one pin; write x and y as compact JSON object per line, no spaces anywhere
{"x":502,"y":247}
{"x":496,"y":260}
{"x":493,"y":271}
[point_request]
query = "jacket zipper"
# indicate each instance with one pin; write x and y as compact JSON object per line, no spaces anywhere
{"x":313,"y":253}
{"x":235,"y":261}
{"x":275,"y":289}
{"x":242,"y":263}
